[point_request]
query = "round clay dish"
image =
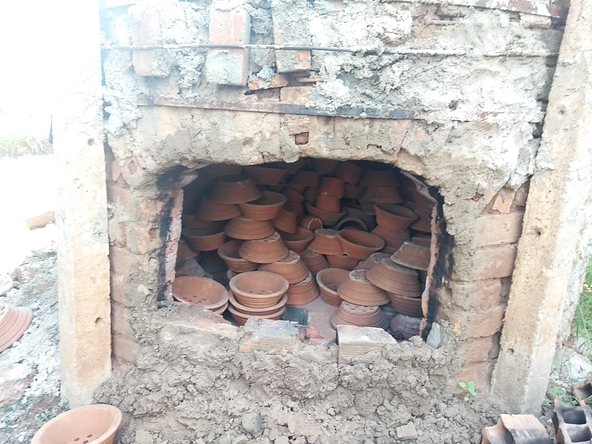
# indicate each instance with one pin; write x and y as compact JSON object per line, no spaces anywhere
{"x":258,"y":288}
{"x":262,"y":175}
{"x":202,"y":291}
{"x":349,"y":172}
{"x":96,"y":424}
{"x":256,"y":311}
{"x":234,"y":190}
{"x":229,"y":254}
{"x":204,"y":239}
{"x":285,"y":220}
{"x":394,"y":217}
{"x":382,"y":195}
{"x":214,"y":211}
{"x":329,"y":218}
{"x":413,"y":255}
{"x":264,"y":251}
{"x":326,"y":241}
{"x":342,"y":261}
{"x":298,"y":240}
{"x":248,"y":229}
{"x":241,"y":318}
{"x":329,"y":280}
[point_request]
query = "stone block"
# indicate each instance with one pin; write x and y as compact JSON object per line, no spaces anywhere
{"x":356,"y":341}
{"x":496,"y":229}
{"x":298,"y":95}
{"x":228,"y":66}
{"x":496,"y":261}
{"x":145,"y":24}
{"x":407,"y":431}
{"x":290,"y":27}
{"x":270,"y":336}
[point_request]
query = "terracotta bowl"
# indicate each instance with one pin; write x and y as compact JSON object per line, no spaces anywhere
{"x":266,"y":207}
{"x":329,"y":203}
{"x":359,"y":315}
{"x":342,"y":261}
{"x":241,"y":318}
{"x":303,"y":292}
{"x":329,"y":280}
{"x":285,"y":220}
{"x":357,"y":289}
{"x":405,"y":305}
{"x":205,"y":239}
{"x":368,"y":207}
{"x":262,"y":175}
{"x":351,"y":223}
{"x":394,"y":278}
{"x":359,"y":244}
{"x":382,"y":195}
{"x":184,"y":251}
{"x":329,"y":218}
{"x":349,"y":172}
{"x":256,"y":311}
{"x":424,"y":223}
{"x":373,"y":261}
{"x":14,"y":321}
{"x":264,"y":251}
{"x":299,"y":188}
{"x":96,"y":424}
{"x":213,"y":211}
{"x":221,"y":310}
{"x":294,"y":207}
{"x":220,"y":169}
{"x":356,"y":212}
{"x":260,"y":289}
{"x":310,"y":222}
{"x":314,"y":261}
{"x":248,"y":229}
{"x":308,"y":178}
{"x":234,"y":190}
{"x":413,"y":255}
{"x":292,"y":268}
{"x":229,"y":254}
{"x":332,"y":186}
{"x":394,"y":217}
{"x":191,"y":221}
{"x":405,"y":327}
{"x":326,"y":241}
{"x":353,"y":191}
{"x":297,"y":241}
{"x":380,"y":178}
{"x":326,"y":166}
{"x":292,"y":195}
{"x":202,"y":291}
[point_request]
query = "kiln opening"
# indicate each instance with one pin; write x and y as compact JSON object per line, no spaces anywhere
{"x":319,"y":241}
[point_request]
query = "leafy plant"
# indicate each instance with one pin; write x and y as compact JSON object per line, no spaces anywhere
{"x":16,"y":146}
{"x":469,"y":388}
{"x":583,"y":317}
{"x":565,"y":399}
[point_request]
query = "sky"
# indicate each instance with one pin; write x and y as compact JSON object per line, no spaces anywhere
{"x":29,"y":31}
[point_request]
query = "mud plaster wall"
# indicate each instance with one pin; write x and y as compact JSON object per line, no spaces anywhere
{"x":475,"y":140}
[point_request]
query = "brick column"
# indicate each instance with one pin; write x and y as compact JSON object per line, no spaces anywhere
{"x":554,"y":221}
{"x":83,"y":246}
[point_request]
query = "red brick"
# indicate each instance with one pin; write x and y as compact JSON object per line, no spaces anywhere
{"x":145,"y":32}
{"x":480,"y":349}
{"x":480,"y":295}
{"x":229,"y":27}
{"x":503,"y":200}
{"x":496,"y":229}
{"x":124,"y":349}
{"x":298,"y":95}
{"x":479,"y":373}
{"x":483,"y":324}
{"x":490,"y":262}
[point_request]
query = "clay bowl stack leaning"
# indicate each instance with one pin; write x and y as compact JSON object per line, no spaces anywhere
{"x":394,"y":278}
{"x":229,"y":254}
{"x":314,"y":261}
{"x":241,"y":313}
{"x":266,"y":207}
{"x":303,"y":292}
{"x":214,"y":211}
{"x":329,"y":281}
{"x":414,"y":255}
{"x":291,"y":267}
{"x":299,"y":240}
{"x":342,"y":261}
{"x":362,"y":316}
{"x":234,"y":190}
{"x":286,"y":219}
{"x":259,"y":290}
{"x":248,"y":229}
{"x":357,"y":289}
{"x":373,"y":261}
{"x":359,"y":244}
{"x":264,"y":251}
{"x":329,"y":218}
{"x":393,"y":225}
{"x":326,"y":241}
{"x":201,"y":291}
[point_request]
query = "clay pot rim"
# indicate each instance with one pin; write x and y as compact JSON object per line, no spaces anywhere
{"x":321,"y":275}
{"x":208,"y":207}
{"x":214,"y":284}
{"x":68,"y":417}
{"x":281,"y":281}
{"x":236,"y":313}
{"x":271,"y":179}
{"x":327,"y":217}
{"x":224,"y":254}
{"x":267,"y":199}
{"x":300,"y":235}
{"x":14,"y":321}
{"x":212,"y":230}
{"x":393,"y":210}
{"x":248,"y":229}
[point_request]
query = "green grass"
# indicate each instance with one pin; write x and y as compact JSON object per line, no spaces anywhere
{"x":583,"y":317}
{"x":17,"y":146}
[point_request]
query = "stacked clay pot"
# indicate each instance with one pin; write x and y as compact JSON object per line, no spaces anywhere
{"x":14,"y":321}
{"x":200,"y":291}
{"x":257,"y":294}
{"x":393,"y":222}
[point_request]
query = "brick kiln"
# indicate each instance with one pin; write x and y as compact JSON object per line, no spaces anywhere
{"x":215,"y":111}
